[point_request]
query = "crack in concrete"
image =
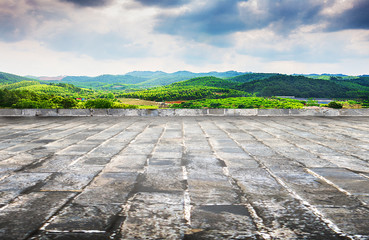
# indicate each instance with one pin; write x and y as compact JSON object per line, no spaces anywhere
{"x":47,"y":222}
{"x":258,"y":221}
{"x":329,"y":223}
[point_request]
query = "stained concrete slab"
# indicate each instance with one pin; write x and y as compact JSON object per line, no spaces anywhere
{"x":184,"y":177}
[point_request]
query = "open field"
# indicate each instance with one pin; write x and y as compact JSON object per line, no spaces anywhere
{"x":184,"y":178}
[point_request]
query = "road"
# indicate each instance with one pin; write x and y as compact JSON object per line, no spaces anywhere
{"x":184,"y":178}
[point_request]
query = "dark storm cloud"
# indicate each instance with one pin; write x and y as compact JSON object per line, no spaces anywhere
{"x":228,"y":16}
{"x":356,"y":17}
{"x":89,"y":3}
{"x":163,"y":3}
{"x":284,"y":15}
{"x":217,"y":17}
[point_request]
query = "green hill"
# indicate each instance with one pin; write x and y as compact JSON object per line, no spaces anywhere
{"x":59,"y":89}
{"x":162,"y":79}
{"x":357,"y":82}
{"x":195,"y":88}
{"x":251,"y":77}
{"x":139,"y":79}
{"x":298,"y":86}
{"x":104,"y":81}
{"x":17,"y":85}
{"x":206,"y":81}
{"x":7,"y":78}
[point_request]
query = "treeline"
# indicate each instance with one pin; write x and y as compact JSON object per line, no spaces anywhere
{"x":30,"y":99}
{"x":22,"y":84}
{"x":241,"y":102}
{"x":170,"y":93}
{"x":60,"y":89}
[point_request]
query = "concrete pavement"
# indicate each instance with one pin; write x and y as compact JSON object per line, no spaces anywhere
{"x":184,"y":178}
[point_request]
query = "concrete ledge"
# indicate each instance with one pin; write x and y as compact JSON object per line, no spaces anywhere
{"x":182,"y":112}
{"x":190,"y":112}
{"x":74,"y":112}
{"x":216,"y":111}
{"x":273,"y":112}
{"x":314,"y":112}
{"x":10,"y":112}
{"x":354,"y":112}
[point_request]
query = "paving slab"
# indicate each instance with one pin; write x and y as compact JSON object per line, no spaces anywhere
{"x":157,"y":176}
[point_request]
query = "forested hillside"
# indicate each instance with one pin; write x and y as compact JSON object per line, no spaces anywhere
{"x":104,"y":82}
{"x":361,"y":81}
{"x":6,"y":78}
{"x":207,"y":81}
{"x":274,"y":85}
{"x":298,"y":86}
{"x":22,"y":84}
{"x":250,"y":77}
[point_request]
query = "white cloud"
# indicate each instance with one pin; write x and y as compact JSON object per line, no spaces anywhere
{"x":337,"y":7}
{"x":44,"y":37}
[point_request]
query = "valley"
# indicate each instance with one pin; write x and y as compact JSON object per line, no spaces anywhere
{"x":183,"y":89}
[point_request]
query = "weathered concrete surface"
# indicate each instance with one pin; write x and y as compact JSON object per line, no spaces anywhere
{"x":184,"y":177}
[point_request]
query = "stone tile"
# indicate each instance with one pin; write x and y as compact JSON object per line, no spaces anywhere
{"x":23,"y":217}
{"x":226,"y":220}
{"x":77,"y":217}
{"x":155,"y":216}
{"x":345,"y":179}
{"x":18,"y":183}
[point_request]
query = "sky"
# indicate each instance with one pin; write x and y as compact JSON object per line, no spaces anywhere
{"x":94,"y":37}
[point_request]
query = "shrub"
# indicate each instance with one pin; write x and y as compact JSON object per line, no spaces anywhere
{"x":69,"y":103}
{"x":99,"y":103}
{"x":27,"y":103}
{"x":335,"y":105}
{"x":215,"y":105}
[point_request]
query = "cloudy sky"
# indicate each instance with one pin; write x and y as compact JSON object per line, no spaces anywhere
{"x":93,"y":37}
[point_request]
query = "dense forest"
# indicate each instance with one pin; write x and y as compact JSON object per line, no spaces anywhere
{"x":251,"y":76}
{"x":298,"y":86}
